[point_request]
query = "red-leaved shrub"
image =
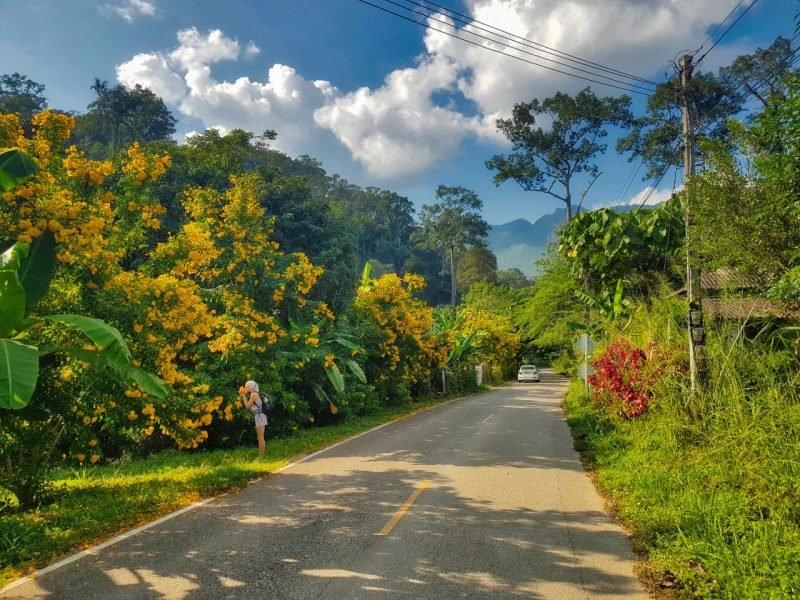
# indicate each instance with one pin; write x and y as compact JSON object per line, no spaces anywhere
{"x":625,"y":375}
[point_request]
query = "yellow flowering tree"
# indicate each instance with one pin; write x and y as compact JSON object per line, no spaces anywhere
{"x":496,"y":340}
{"x":204,"y":306}
{"x":397,"y":332}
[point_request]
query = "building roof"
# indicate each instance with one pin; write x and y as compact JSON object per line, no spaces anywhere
{"x":744,"y":308}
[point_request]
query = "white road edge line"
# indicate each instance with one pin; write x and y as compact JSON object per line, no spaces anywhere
{"x":115,"y":540}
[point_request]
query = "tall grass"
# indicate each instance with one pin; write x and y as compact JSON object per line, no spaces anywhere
{"x":709,"y":484}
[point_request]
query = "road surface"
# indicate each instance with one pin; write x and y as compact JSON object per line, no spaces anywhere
{"x":483,"y":497}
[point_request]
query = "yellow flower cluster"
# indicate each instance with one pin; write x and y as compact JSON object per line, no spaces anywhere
{"x":224,"y":245}
{"x":497,"y":341}
{"x":80,"y":218}
{"x":79,"y":167}
{"x":172,"y":316}
{"x":405,"y":323}
{"x":142,"y":166}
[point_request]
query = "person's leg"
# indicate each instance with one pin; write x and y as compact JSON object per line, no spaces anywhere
{"x":262,"y":445}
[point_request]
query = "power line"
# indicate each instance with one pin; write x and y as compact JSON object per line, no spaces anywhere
{"x":724,"y":33}
{"x":720,"y":24}
{"x":629,"y":180}
{"x":522,"y":40}
{"x":762,"y":83}
{"x":652,"y":190}
{"x":495,"y":50}
{"x":507,"y":45}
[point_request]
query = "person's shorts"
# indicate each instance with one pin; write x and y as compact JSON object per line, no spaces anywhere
{"x":261,"y":419}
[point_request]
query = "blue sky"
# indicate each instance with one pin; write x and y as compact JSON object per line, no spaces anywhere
{"x":375,"y":98}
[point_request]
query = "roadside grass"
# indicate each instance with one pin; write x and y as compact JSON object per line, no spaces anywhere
{"x":95,"y":503}
{"x":710,"y":486}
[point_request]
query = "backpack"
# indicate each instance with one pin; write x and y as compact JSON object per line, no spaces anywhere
{"x":267,"y":405}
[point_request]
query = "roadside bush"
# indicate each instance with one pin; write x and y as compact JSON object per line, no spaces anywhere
{"x":707,"y":483}
{"x":625,"y":376}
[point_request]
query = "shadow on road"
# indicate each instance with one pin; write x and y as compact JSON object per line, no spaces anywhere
{"x":494,"y":522}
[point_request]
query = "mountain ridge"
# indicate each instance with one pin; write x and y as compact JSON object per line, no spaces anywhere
{"x":518,"y":244}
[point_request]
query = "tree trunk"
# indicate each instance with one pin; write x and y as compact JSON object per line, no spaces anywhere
{"x":452,"y":277}
{"x":568,"y":202}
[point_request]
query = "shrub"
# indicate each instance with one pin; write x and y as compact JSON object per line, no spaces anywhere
{"x":625,"y":375}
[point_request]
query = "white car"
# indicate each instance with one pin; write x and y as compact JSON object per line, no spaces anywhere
{"x":527,"y":373}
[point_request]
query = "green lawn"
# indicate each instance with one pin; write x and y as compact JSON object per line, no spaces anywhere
{"x":96,"y":503}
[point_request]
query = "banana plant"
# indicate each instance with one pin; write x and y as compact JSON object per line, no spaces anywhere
{"x":331,"y":349}
{"x":447,"y":321}
{"x":26,"y":271}
{"x":610,"y":304}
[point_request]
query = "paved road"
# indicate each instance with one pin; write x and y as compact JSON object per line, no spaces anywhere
{"x":507,"y":513}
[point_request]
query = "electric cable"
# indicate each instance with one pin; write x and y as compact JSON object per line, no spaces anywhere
{"x":724,"y":33}
{"x":506,"y":45}
{"x":518,"y":39}
{"x":720,"y":24}
{"x":605,"y":83}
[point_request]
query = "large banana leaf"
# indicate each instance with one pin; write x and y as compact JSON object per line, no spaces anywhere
{"x":12,"y":303}
{"x":37,"y":267}
{"x":347,"y":344}
{"x":146,"y":381}
{"x":320,"y":393}
{"x":355,"y":368}
{"x":102,"y":334}
{"x":19,"y":370}
{"x":336,"y":377}
{"x":15,"y":166}
{"x":11,"y":259}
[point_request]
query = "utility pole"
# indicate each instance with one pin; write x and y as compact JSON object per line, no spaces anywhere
{"x":695,"y":317}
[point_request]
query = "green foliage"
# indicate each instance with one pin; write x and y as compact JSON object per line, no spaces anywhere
{"x":446,"y":324}
{"x":759,"y":232}
{"x":707,"y":484}
{"x":120,"y":116}
{"x":495,"y":298}
{"x":19,"y":94}
{"x":477,"y":264}
{"x":607,"y":246}
{"x":450,"y":226}
{"x":765,"y":72}
{"x":542,"y":158}
{"x":550,"y":305}
{"x":513,"y":278}
{"x":15,"y":166}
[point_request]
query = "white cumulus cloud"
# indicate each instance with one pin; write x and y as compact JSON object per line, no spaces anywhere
{"x":154,"y":72}
{"x":646,"y":197}
{"x":406,"y":124}
{"x":285,"y":101}
{"x":397,"y":128}
{"x":130,"y":10}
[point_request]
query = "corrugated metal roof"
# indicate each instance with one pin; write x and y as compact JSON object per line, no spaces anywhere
{"x":726,"y":279}
{"x":743,"y":308}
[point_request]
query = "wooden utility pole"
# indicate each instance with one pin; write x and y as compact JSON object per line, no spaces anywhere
{"x":695,"y":316}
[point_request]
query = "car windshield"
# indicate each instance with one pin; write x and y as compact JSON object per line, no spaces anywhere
{"x":527,"y":368}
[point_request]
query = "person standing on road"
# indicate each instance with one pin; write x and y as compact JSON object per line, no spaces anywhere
{"x":252,"y":401}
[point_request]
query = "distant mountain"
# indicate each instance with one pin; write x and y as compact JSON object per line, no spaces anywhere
{"x":520,"y":243}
